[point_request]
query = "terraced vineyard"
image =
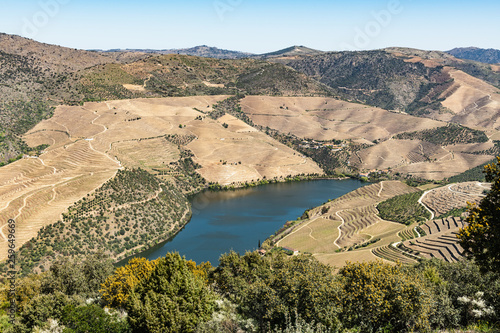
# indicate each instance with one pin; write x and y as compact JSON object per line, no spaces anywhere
{"x":441,"y":240}
{"x":394,"y":254}
{"x":87,"y":145}
{"x":347,"y":227}
{"x":444,"y":199}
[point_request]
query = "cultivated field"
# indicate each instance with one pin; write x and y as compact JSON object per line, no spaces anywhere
{"x":439,"y":236}
{"x":444,"y":199}
{"x":440,"y":241}
{"x":327,"y":118}
{"x":420,"y":158}
{"x":89,"y":143}
{"x":346,"y":222}
{"x":349,"y":228}
{"x":474,"y":102}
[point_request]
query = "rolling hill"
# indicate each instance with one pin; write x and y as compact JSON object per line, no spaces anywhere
{"x":488,"y":56}
{"x":292,"y":51}
{"x":72,"y":120}
{"x":198,"y":51}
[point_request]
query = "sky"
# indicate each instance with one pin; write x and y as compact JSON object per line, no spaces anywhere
{"x":256,"y":26}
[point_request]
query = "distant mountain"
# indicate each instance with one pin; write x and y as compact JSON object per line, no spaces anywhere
{"x":290,"y":52}
{"x":489,"y":56}
{"x":377,"y":78}
{"x":214,"y":52}
{"x":199,"y":51}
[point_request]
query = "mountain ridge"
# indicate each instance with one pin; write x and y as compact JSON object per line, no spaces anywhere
{"x":488,"y":56}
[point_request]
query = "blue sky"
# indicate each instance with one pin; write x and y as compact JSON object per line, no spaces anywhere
{"x":256,"y":26}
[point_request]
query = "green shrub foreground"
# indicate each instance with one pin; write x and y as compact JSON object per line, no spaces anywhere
{"x":250,"y":293}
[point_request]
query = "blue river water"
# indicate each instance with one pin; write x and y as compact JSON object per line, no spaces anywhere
{"x":237,"y":220}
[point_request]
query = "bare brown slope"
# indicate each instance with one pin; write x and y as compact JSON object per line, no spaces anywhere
{"x":89,"y":143}
{"x":322,"y":118}
{"x":473,"y":102}
{"x":53,"y":57}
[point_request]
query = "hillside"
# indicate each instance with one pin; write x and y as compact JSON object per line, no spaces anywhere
{"x":291,"y":51}
{"x":485,"y":72}
{"x":377,"y":78}
{"x":172,"y":138}
{"x":35,"y":76}
{"x":342,"y":136}
{"x":198,"y":51}
{"x":387,"y":220}
{"x":52,"y":57}
{"x":180,"y":75}
{"x":488,"y":56}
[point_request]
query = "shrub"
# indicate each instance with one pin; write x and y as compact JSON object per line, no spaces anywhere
{"x":172,"y":299}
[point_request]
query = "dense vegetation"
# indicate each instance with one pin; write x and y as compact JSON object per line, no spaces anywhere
{"x":489,"y":56}
{"x":404,"y":209}
{"x":446,"y":135}
{"x":128,"y":214}
{"x":474,"y":174}
{"x":16,"y":118}
{"x":377,"y":78}
{"x":456,"y":212}
{"x":251,"y":293}
{"x":180,"y":75}
{"x":480,"y":238}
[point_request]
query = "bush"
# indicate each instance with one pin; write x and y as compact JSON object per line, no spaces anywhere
{"x":92,"y":318}
{"x":381,"y":296}
{"x":172,"y":299}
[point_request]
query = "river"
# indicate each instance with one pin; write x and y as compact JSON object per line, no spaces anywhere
{"x":237,"y":220}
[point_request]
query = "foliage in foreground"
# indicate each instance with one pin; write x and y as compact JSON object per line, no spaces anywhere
{"x":171,"y":299}
{"x":249,"y":293}
{"x":481,"y":238}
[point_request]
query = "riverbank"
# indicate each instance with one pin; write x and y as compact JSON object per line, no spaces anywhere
{"x":240,"y":219}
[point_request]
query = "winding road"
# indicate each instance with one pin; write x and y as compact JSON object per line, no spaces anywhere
{"x":420,"y":202}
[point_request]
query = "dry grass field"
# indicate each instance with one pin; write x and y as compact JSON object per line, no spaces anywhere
{"x":240,"y":153}
{"x":421,"y":159}
{"x":89,"y":143}
{"x":327,"y":118}
{"x":345,"y":222}
{"x":474,"y":102}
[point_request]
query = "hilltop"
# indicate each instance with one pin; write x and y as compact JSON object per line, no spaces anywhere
{"x":198,"y":51}
{"x":292,"y":51}
{"x":488,"y":56}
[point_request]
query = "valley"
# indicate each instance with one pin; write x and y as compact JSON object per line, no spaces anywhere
{"x":196,"y":123}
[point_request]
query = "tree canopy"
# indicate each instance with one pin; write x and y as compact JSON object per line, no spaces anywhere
{"x":481,"y":237}
{"x":171,"y":299}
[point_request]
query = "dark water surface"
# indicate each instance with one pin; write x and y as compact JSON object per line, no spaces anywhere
{"x":237,"y":220}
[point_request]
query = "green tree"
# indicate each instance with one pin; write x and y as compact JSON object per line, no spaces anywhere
{"x":378,"y":296}
{"x":43,"y":307}
{"x":92,"y":318}
{"x":276,"y":289}
{"x":73,"y":277}
{"x":481,"y":237}
{"x":172,"y":299}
